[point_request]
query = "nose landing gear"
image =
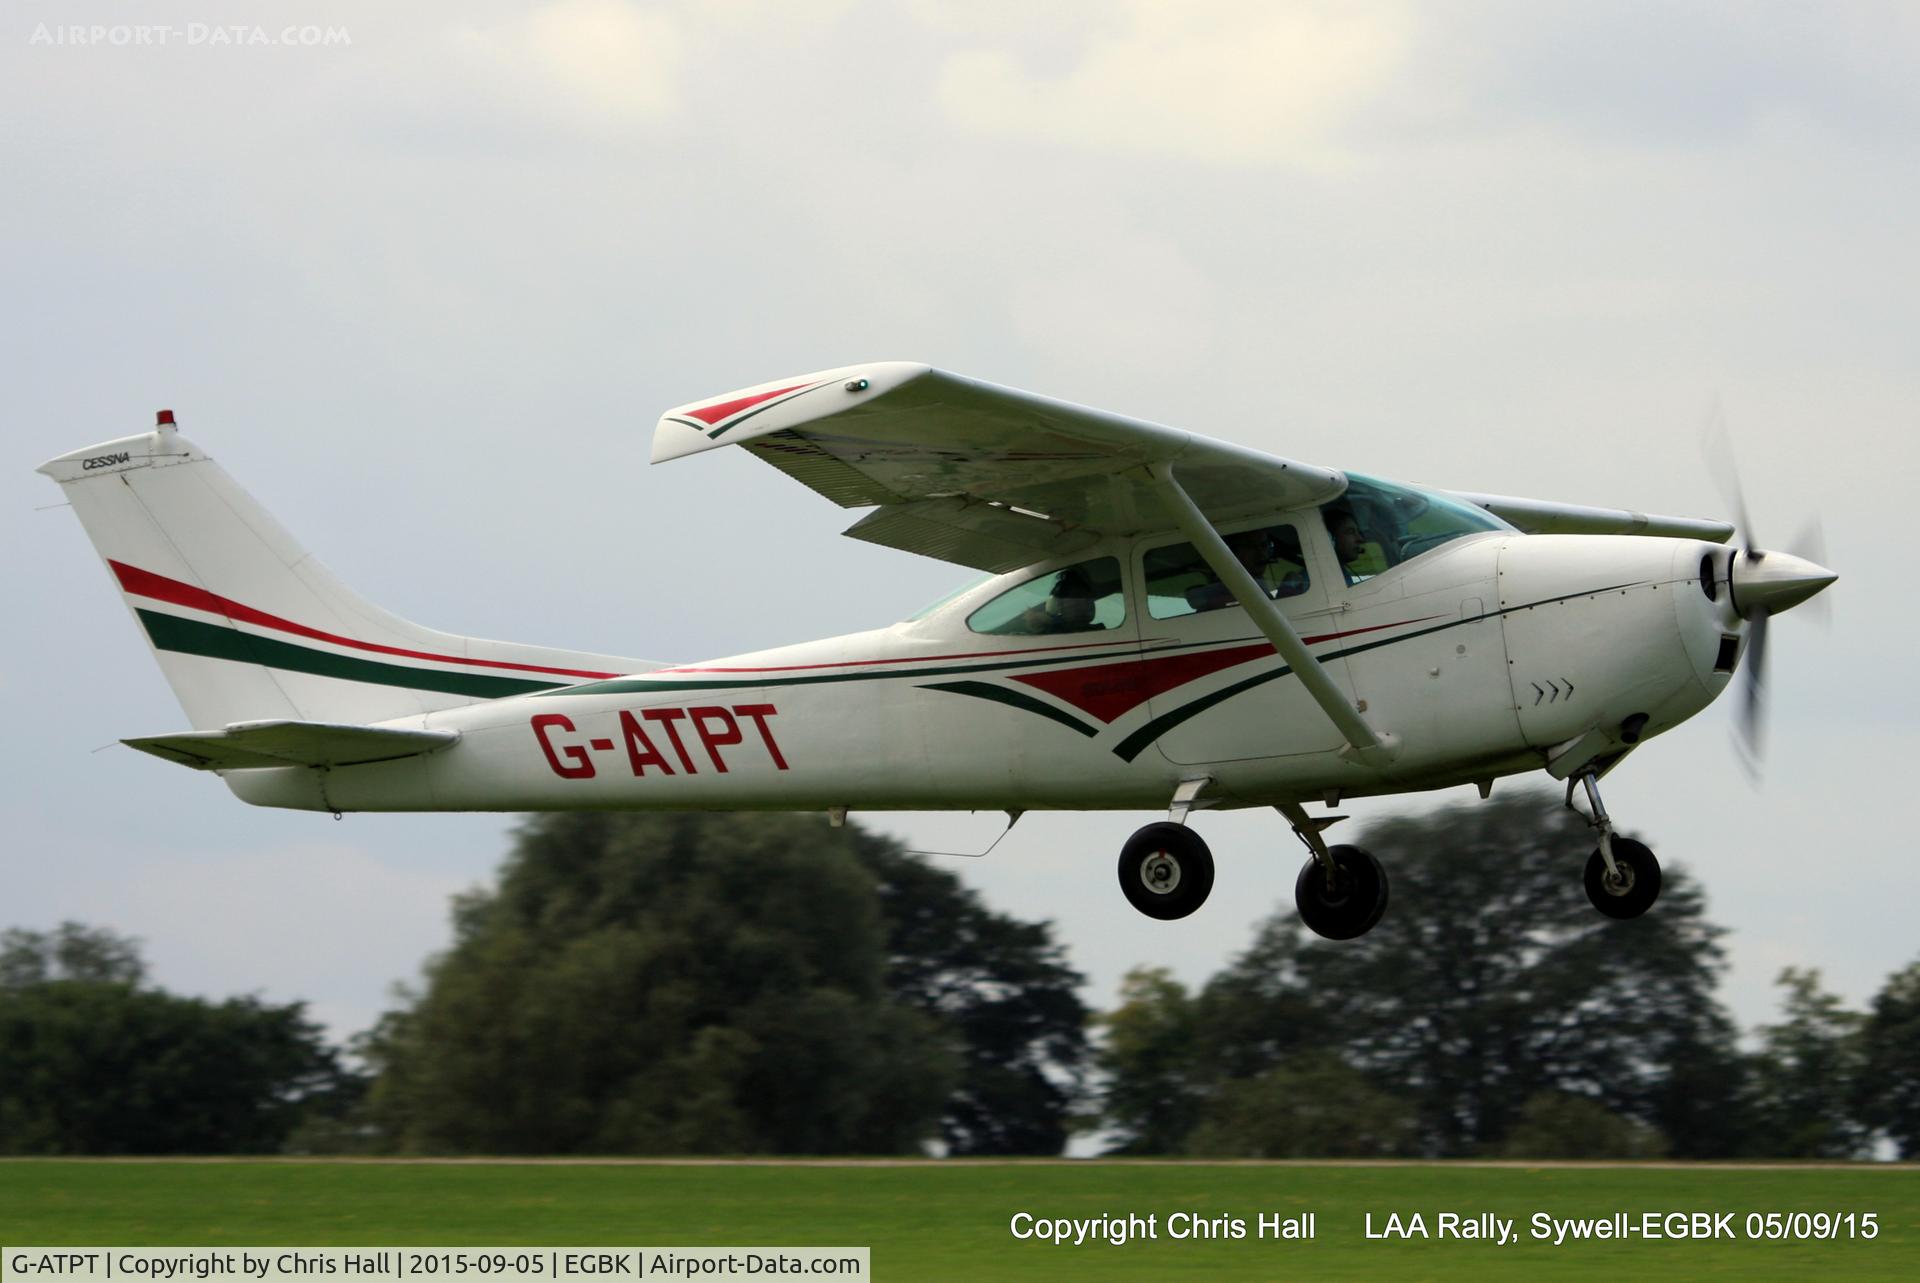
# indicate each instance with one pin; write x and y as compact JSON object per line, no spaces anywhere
{"x":1623,"y":877}
{"x":1630,"y":887}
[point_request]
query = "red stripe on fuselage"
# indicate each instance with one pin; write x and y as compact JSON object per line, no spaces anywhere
{"x":144,"y":583}
{"x":877,"y":663}
{"x":680,"y":670}
{"x":1107,"y":691}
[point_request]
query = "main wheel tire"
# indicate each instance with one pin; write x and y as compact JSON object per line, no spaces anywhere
{"x":1355,"y":902}
{"x":1637,"y":887}
{"x":1166,"y":870}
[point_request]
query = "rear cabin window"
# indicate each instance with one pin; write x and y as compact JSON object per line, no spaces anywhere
{"x":1179,"y":581}
{"x":1083,"y":598}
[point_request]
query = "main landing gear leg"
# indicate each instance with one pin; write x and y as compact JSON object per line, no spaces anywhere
{"x":1342,"y":891}
{"x":1623,"y":877}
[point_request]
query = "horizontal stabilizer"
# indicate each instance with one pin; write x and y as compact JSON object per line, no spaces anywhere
{"x":252,"y":744}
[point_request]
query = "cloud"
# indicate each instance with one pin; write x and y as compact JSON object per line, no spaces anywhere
{"x":1663,"y":75}
{"x":1118,"y":299}
{"x":1246,"y":84}
{"x":598,"y":65}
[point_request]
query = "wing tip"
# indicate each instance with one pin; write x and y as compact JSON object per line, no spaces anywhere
{"x":712,"y":422}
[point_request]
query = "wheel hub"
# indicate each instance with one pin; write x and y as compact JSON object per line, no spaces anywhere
{"x":1160,"y":873}
{"x":1620,"y":881}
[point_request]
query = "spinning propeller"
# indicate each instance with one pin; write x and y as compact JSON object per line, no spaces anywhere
{"x":1761,"y":584}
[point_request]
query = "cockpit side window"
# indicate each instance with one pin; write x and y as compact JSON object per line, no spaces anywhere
{"x":1376,"y":525}
{"x":1179,"y":581}
{"x":1081,"y":598}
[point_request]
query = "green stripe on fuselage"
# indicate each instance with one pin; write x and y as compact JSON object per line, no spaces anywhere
{"x":650,"y":685}
{"x":1133,"y":745}
{"x":1013,"y":699}
{"x":192,"y":637}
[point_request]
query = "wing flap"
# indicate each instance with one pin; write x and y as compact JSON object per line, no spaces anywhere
{"x":984,"y":536}
{"x":246,"y":745}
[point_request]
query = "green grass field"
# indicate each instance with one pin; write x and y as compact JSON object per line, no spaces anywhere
{"x":950,"y":1220}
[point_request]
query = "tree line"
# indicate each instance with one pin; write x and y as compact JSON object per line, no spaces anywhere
{"x":767,"y":984}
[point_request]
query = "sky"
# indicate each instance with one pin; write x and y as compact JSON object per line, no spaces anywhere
{"x":423,"y":277}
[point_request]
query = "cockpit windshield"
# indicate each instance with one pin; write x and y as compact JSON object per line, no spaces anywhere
{"x":1377,"y":524}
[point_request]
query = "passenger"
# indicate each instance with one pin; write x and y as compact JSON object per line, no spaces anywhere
{"x":1069,"y":607}
{"x":1291,"y":561}
{"x":1255,"y":551}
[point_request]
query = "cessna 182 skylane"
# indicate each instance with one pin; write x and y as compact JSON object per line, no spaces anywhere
{"x":1168,"y":621}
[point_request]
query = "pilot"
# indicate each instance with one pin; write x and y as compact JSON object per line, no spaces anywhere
{"x":1349,"y":544}
{"x":1069,"y":608}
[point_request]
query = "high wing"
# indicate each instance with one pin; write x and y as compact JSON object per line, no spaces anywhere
{"x":978,"y":474}
{"x":1541,"y":517}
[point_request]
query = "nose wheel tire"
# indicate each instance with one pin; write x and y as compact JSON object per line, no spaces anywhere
{"x":1166,"y":870}
{"x":1354,"y":902}
{"x":1636,"y":887}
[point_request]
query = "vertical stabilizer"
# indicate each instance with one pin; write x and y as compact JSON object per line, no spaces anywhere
{"x":247,"y":626}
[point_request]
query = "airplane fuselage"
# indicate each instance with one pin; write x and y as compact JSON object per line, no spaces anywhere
{"x":1491,"y":655}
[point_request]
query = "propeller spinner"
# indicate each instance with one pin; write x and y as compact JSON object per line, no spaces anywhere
{"x":1761,"y":584}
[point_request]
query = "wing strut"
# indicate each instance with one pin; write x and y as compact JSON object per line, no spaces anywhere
{"x":1363,"y":742}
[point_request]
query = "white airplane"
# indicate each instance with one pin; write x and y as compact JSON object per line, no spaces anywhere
{"x":1166,"y":621}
